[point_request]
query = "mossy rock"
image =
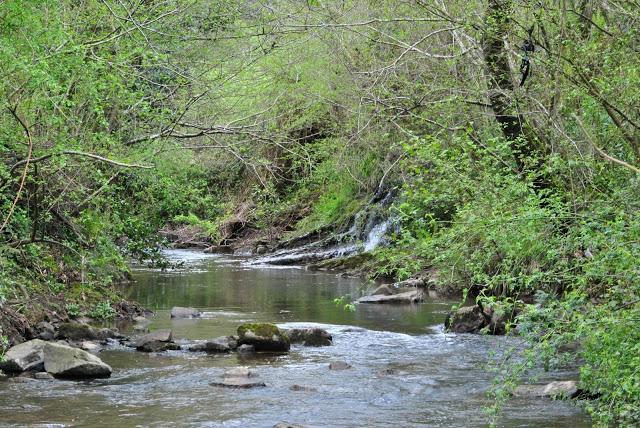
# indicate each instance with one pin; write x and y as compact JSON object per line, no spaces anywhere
{"x":264,"y":337}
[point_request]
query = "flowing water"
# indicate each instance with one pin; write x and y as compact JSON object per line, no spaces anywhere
{"x":438,"y":380}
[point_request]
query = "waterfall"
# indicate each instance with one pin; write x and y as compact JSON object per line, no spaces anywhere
{"x":375,"y":236}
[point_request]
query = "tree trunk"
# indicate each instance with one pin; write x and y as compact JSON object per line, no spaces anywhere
{"x":501,"y":85}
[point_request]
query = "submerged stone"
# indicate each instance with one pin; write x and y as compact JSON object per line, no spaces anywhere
{"x":179,"y":312}
{"x":339,"y":365}
{"x":558,"y":389}
{"x":310,"y":336}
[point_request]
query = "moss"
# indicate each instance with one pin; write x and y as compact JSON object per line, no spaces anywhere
{"x":259,"y":329}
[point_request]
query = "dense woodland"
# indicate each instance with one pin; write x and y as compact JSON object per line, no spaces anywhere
{"x":510,"y":131}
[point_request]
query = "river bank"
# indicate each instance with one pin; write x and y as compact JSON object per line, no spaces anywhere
{"x":400,"y":357}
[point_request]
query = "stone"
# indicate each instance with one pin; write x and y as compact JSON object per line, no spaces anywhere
{"x":158,"y":346}
{"x":287,"y":425}
{"x":140,"y":319}
{"x":246,"y":349}
{"x":157,"y":341}
{"x":301,"y":388}
{"x":76,"y":332}
{"x":557,"y":389}
{"x":181,"y":313}
{"x":412,"y":296}
{"x":264,"y":337}
{"x":239,"y":377}
{"x":339,"y":365}
{"x":27,"y":356}
{"x":46,"y":335}
{"x":108,"y":333}
{"x":43,"y":376}
{"x":89,"y":346}
{"x":219,"y":345}
{"x":467,"y":319}
{"x":63,"y":361}
{"x":157,"y":335}
{"x":310,"y":336}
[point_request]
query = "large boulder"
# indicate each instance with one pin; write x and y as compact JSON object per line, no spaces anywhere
{"x":558,"y":389}
{"x":310,"y":336}
{"x":215,"y":346}
{"x":76,"y":332}
{"x":157,"y":341}
{"x":476,"y":319}
{"x":467,"y":319}
{"x":264,"y":337}
{"x":179,"y":312}
{"x":63,"y":361}
{"x":27,"y":356}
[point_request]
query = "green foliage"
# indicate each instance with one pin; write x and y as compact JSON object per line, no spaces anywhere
{"x":345,"y":303}
{"x":73,"y":310}
{"x":102,"y":311}
{"x":4,"y":345}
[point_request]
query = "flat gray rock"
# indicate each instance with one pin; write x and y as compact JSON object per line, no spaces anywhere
{"x":412,"y":296}
{"x":67,"y":362}
{"x":155,"y":336}
{"x":339,"y":365}
{"x":566,"y":389}
{"x":180,"y":312}
{"x":25,"y":356}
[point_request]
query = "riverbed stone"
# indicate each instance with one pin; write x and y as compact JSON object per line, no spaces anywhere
{"x":411,"y":296}
{"x":66,"y":362}
{"x":181,"y":313}
{"x":287,"y":425}
{"x":156,"y":341}
{"x":43,"y":376}
{"x":76,"y":332}
{"x":219,"y":345}
{"x":557,"y":389}
{"x":264,"y":337}
{"x":339,"y":365}
{"x":27,"y":356}
{"x":239,"y":377}
{"x":467,"y":319}
{"x":302,"y":388}
{"x":310,"y":336}
{"x":246,"y":349}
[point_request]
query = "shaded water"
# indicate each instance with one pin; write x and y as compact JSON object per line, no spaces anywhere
{"x":439,"y":379}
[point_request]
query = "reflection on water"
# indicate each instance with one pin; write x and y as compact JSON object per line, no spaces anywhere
{"x":436,"y":379}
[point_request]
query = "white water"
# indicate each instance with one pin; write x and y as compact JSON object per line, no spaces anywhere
{"x":375,"y":236}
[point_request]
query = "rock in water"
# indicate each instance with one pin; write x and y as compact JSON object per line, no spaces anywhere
{"x":468,"y":319}
{"x":310,"y":336}
{"x":43,"y":376}
{"x":219,"y":345}
{"x":157,"y":341}
{"x":566,"y":389}
{"x":178,"y":312}
{"x":339,"y":365}
{"x":23,"y":357}
{"x":66,"y":362}
{"x":76,"y":331}
{"x":239,"y":377}
{"x":287,"y":425}
{"x":412,"y":296}
{"x":264,"y":337}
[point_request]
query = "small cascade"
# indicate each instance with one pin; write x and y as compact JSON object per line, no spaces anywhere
{"x":376,"y":235}
{"x":366,"y":233}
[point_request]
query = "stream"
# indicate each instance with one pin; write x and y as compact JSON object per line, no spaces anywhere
{"x":439,"y":380}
